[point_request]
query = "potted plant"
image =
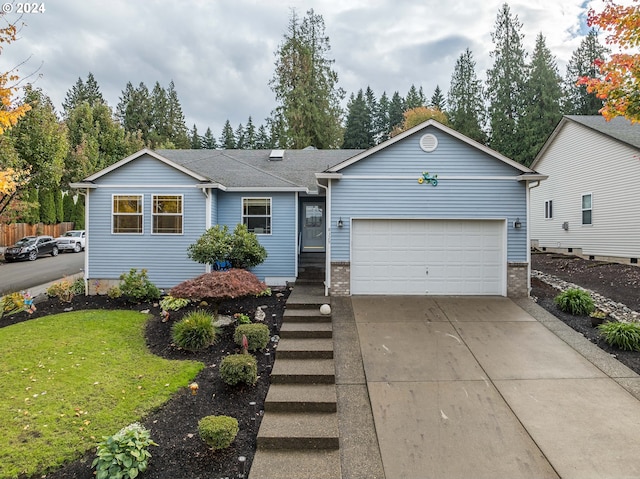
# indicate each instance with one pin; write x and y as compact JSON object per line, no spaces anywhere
{"x":597,"y":317}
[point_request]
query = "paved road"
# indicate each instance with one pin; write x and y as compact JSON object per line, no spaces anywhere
{"x":27,"y":274}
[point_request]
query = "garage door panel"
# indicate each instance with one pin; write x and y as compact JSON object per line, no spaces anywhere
{"x":461,"y":257}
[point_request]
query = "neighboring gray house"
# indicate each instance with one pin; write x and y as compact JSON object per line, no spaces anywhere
{"x":384,"y":225}
{"x":589,"y":205}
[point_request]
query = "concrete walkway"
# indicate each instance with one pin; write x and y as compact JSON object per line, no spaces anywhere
{"x":477,"y":388}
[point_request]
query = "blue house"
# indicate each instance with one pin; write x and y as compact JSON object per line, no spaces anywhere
{"x":429,"y":211}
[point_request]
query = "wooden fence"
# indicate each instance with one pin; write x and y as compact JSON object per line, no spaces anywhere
{"x":9,"y":234}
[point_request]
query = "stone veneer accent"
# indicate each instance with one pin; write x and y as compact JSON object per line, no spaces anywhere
{"x":340,"y":278}
{"x":517,"y":279}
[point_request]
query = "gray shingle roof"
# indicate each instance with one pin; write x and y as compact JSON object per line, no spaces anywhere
{"x":253,"y":169}
{"x":619,"y":128}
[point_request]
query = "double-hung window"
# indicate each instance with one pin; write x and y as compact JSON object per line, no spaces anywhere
{"x":166,"y":214}
{"x":587,"y":209}
{"x":548,"y":209}
{"x":127,"y":214}
{"x":256,"y":215}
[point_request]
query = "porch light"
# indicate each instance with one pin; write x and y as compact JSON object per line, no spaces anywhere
{"x":340,"y":223}
{"x":517,"y":224}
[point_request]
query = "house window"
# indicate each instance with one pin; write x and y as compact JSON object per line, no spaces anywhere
{"x":548,"y":209}
{"x":166,"y":214}
{"x":587,"y":202}
{"x":127,"y":214}
{"x":256,"y":214}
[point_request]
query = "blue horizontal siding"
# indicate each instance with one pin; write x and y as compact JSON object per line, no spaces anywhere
{"x":146,"y":170}
{"x":164,"y":256}
{"x":281,"y":243}
{"x":387,"y":196}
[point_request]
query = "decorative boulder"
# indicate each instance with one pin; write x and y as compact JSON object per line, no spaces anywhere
{"x":325,"y":309}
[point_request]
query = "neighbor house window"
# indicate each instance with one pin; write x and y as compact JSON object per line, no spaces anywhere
{"x":587,"y":203}
{"x":166,"y":214}
{"x":256,"y":214}
{"x":127,"y":214}
{"x":548,"y":209}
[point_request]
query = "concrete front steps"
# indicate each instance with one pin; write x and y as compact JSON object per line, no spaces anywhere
{"x":298,"y":436}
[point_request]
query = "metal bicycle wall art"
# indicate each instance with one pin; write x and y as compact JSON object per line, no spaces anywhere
{"x":425,"y":178}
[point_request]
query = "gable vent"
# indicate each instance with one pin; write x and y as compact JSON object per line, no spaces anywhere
{"x":276,"y":155}
{"x":428,"y":142}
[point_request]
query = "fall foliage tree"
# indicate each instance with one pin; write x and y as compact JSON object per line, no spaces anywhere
{"x":619,"y":85}
{"x":415,"y":116}
{"x":9,"y":112}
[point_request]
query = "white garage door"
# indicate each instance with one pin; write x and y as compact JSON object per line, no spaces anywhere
{"x":436,"y":257}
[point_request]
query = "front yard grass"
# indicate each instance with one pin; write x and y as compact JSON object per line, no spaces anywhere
{"x":69,"y":379}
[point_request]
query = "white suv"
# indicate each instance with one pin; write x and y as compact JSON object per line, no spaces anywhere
{"x":72,"y":240}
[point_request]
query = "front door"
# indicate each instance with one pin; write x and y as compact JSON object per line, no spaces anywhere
{"x":312,"y":227}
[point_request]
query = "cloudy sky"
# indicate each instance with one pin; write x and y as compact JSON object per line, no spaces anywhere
{"x":220,"y":53}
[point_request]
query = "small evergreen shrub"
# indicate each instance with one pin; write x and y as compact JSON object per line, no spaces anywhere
{"x":169,"y":303}
{"x":64,"y":290}
{"x":218,"y":431}
{"x":123,"y":455}
{"x":257,"y":335}
{"x":137,"y":288}
{"x":239,"y":368}
{"x":78,"y":286}
{"x":575,"y":301}
{"x":624,"y":336}
{"x":114,"y":292}
{"x":194,"y":332}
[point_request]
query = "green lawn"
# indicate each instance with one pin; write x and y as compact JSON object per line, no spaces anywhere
{"x":66,"y":380}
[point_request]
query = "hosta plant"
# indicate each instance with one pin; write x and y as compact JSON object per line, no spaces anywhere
{"x":123,"y":455}
{"x":575,"y":301}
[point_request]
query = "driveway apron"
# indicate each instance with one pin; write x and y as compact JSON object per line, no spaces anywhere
{"x":475,"y":387}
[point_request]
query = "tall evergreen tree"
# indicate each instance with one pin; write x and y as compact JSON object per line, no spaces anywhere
{"x":78,"y":213}
{"x":195,"y":140}
{"x":67,"y":207}
{"x":135,"y":110}
{"x":466,"y":108}
{"x":160,"y":129}
{"x":227,"y":139}
{"x":57,"y":201}
{"x":177,"y":130}
{"x":582,"y":63}
{"x":262,"y":139}
{"x":505,"y":83}
{"x":414,"y":98}
{"x":437,"y":99}
{"x":81,"y":92}
{"x":358,"y":132}
{"x":543,"y":97}
{"x":238,"y":134}
{"x":47,"y":205}
{"x":208,"y":141}
{"x":308,"y":111}
{"x":396,"y":111}
{"x":249,"y":135}
{"x":381,"y":125}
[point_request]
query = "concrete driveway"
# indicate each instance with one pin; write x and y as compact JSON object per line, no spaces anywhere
{"x":464,"y":387}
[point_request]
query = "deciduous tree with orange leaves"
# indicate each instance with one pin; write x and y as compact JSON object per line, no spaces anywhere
{"x":619,"y":86}
{"x":9,"y":113}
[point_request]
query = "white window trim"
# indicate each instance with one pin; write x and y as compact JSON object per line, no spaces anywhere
{"x":181,"y":214}
{"x":582,"y":209}
{"x":548,"y":210}
{"x":141,"y":214}
{"x":242,"y":215}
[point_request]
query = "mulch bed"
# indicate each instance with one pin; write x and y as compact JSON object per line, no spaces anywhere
{"x":618,"y":282}
{"x":181,"y":454}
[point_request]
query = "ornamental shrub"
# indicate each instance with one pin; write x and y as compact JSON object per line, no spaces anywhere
{"x":218,"y":431}
{"x":575,"y":301}
{"x":257,"y":335}
{"x":195,"y":331}
{"x":137,"y":288}
{"x":624,"y":336}
{"x":217,"y":245}
{"x":123,"y":455}
{"x":169,"y":303}
{"x":11,"y":303}
{"x":239,"y":368}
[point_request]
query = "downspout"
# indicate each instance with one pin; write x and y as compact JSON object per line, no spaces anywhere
{"x":327,"y":249}
{"x":529,"y":188}
{"x":85,"y":193}
{"x":207,"y":218}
